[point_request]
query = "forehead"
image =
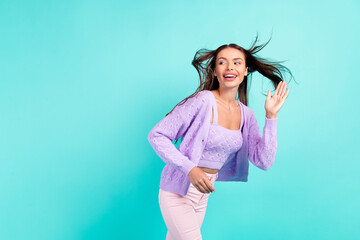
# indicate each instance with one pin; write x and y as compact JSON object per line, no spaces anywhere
{"x":230,"y":53}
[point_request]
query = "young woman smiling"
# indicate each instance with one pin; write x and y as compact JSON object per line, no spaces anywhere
{"x":219,"y":134}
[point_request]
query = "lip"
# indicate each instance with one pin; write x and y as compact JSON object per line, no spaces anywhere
{"x":231,"y":79}
{"x":228,"y":73}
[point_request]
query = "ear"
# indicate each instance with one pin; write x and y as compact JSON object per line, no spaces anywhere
{"x":246,"y":71}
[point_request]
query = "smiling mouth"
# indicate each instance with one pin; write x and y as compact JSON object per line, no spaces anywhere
{"x":230,"y":78}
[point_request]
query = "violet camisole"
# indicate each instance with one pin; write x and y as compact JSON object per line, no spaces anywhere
{"x":221,"y":143}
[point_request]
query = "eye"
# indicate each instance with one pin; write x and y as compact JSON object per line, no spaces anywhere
{"x":238,"y":62}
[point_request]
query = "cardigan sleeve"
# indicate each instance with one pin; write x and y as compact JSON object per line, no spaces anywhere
{"x":262,"y":148}
{"x":172,"y":127}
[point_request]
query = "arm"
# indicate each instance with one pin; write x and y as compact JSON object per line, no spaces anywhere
{"x":172,"y":127}
{"x":262,"y":149}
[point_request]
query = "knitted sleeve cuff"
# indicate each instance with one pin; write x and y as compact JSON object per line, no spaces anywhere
{"x":187,"y":166}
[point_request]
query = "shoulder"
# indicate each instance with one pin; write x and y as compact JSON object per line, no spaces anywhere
{"x":193,"y":105}
{"x":198,"y":99}
{"x":246,"y":108}
{"x":203,"y":99}
{"x":203,"y":94}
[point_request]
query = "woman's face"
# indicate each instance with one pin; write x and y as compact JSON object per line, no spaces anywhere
{"x":230,"y":61}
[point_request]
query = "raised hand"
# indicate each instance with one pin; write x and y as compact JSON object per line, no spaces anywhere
{"x":274,"y":103}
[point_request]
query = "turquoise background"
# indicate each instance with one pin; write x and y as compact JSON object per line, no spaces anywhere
{"x":83,"y":82}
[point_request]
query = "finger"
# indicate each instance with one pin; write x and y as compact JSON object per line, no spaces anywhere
{"x":205,"y":186}
{"x":200,"y":188}
{"x":210,"y":186}
{"x":283,"y":89}
{"x":287,"y":93}
{"x":277,"y":89}
{"x":268,"y":95}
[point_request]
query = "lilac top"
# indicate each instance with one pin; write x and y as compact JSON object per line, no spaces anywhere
{"x":190,"y":121}
{"x":221,"y":143}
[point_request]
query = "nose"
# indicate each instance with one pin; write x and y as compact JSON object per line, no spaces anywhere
{"x":229,"y":67}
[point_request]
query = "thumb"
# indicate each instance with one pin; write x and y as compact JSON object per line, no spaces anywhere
{"x":268,"y":95}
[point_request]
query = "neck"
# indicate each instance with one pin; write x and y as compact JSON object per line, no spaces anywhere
{"x":227,"y":97}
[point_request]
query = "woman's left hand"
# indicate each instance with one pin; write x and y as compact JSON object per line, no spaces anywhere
{"x":274,"y":103}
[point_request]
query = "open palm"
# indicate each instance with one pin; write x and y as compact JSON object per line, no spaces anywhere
{"x":275,"y":102}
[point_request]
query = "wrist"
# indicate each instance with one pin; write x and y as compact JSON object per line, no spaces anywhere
{"x":271,"y":116}
{"x":191,"y":170}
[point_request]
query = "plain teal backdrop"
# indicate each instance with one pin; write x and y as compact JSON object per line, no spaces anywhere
{"x":83,"y":82}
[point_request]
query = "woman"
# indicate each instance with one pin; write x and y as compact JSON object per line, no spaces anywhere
{"x":219,"y":134}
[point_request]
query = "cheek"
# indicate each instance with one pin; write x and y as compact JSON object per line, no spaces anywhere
{"x":218,"y":70}
{"x":218,"y":67}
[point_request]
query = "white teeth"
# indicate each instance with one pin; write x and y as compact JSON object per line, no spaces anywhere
{"x":230,"y":76}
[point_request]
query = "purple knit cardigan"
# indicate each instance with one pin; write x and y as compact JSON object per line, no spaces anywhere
{"x":191,"y":122}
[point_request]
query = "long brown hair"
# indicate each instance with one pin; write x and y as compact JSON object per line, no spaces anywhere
{"x":269,"y":69}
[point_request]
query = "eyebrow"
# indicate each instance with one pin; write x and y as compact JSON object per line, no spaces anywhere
{"x":233,"y":58}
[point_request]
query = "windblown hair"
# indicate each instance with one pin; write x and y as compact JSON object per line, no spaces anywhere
{"x":204,"y":62}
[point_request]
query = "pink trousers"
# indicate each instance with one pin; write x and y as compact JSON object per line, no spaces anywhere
{"x":184,"y":215}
